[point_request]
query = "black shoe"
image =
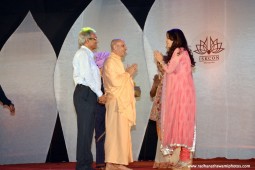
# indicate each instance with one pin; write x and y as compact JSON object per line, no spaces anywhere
{"x":100,"y":166}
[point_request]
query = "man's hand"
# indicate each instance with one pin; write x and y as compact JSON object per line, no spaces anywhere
{"x":12,"y":108}
{"x":132,"y":69}
{"x":102,"y":99}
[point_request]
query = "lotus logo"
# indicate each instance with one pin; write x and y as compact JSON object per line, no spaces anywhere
{"x":203,"y":47}
{"x":208,"y":50}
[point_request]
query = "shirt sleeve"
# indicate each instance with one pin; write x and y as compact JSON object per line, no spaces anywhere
{"x":76,"y":69}
{"x":172,"y":65}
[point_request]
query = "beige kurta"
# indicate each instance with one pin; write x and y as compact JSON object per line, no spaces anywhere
{"x":120,"y":111}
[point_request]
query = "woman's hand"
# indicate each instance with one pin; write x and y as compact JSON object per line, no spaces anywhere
{"x":158,"y":56}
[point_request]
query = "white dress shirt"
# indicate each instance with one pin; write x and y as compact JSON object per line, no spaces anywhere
{"x":85,"y":70}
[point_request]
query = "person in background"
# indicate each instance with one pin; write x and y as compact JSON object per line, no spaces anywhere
{"x":155,"y":94}
{"x":87,"y":93}
{"x":100,"y":110}
{"x":161,"y":160}
{"x":178,"y":102}
{"x":120,"y":108}
{"x":6,"y":102}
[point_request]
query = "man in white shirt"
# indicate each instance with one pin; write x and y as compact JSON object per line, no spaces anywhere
{"x":87,"y":93}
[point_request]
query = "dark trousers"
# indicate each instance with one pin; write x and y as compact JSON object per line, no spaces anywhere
{"x":84,"y":102}
{"x":100,"y":133}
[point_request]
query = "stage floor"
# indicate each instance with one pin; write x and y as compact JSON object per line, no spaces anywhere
{"x":198,"y":164}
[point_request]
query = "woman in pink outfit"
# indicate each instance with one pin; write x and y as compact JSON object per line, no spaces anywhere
{"x":178,"y":108}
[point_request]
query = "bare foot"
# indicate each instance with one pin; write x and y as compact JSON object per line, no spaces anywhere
{"x":122,"y":167}
{"x":111,"y":166}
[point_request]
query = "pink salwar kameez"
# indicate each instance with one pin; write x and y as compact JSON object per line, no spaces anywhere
{"x":178,"y":104}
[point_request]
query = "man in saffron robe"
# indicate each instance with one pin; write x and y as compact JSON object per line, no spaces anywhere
{"x":120,"y":107}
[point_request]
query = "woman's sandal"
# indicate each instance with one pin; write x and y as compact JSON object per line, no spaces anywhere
{"x":181,"y":164}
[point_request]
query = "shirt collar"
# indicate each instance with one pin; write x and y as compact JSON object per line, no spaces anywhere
{"x":87,"y":49}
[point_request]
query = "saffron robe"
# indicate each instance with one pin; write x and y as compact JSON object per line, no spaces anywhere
{"x":120,"y":111}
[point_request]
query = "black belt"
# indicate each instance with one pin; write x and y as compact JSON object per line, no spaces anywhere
{"x":81,"y":85}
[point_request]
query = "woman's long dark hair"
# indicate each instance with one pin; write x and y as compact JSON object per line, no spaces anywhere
{"x":179,"y":40}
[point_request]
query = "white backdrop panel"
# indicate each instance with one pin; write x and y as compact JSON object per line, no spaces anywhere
{"x":225,"y":93}
{"x":111,"y":20}
{"x":225,"y":90}
{"x":27,"y":63}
